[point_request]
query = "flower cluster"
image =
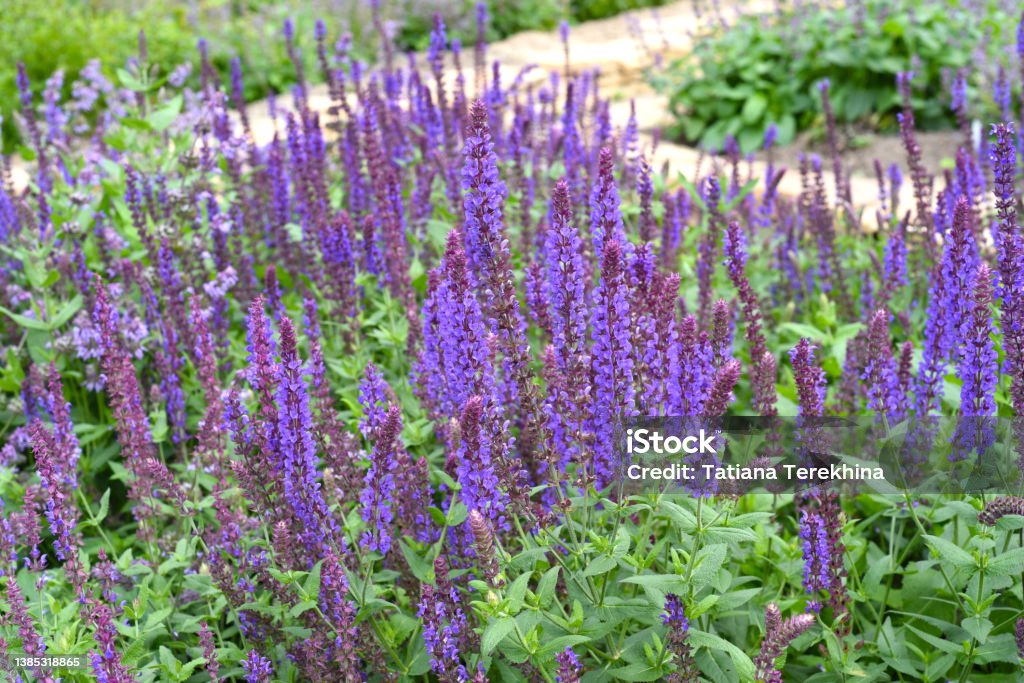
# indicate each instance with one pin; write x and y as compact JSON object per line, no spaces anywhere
{"x":351,"y":382}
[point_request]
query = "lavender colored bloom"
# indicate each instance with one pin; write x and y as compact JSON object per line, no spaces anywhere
{"x":1002,"y":94}
{"x":569,"y":668}
{"x":296,"y":449}
{"x":605,"y":207}
{"x":895,"y":259}
{"x":490,"y":259}
{"x":919,"y":176}
{"x":373,"y":397}
{"x":568,"y":398}
{"x":763,"y":368}
{"x":816,"y":553}
{"x":133,"y":429}
{"x":475,"y":465}
{"x":456,"y":360}
{"x":895,"y":183}
{"x":440,"y":634}
{"x":179,"y":75}
{"x":777,"y":638}
{"x":880,"y":374}
{"x":1010,"y":259}
{"x":810,"y":379}
{"x":612,"y":359}
{"x":377,"y":497}
{"x":958,"y":98}
{"x":207,"y":644}
{"x":978,"y":369}
{"x":56,"y":119}
{"x":645,"y":191}
{"x":56,"y":457}
{"x":959,"y":265}
{"x":106,"y":663}
{"x":445,"y":627}
{"x":257,"y":668}
{"x":572,"y":144}
{"x":711,"y":194}
{"x":484,"y":199}
{"x":219,"y":287}
{"x":678,"y":627}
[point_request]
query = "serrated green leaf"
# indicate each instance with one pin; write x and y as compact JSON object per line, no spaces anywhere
{"x":302,"y":607}
{"x":311,"y":587}
{"x":546,"y":586}
{"x":495,"y":633}
{"x":950,"y":553}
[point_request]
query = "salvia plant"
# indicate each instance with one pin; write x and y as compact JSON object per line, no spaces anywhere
{"x":340,"y":402}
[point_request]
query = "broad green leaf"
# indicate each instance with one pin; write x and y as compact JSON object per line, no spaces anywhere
{"x":162,"y":118}
{"x":495,"y":633}
{"x":754,"y":108}
{"x":950,"y":553}
{"x":1010,"y":563}
{"x":546,"y":586}
{"x":744,"y":666}
{"x":301,"y":607}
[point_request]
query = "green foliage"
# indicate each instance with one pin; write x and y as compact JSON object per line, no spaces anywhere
{"x":249,"y":29}
{"x":764,"y":70}
{"x":109,"y":31}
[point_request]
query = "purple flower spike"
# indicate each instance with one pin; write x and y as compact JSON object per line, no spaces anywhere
{"x":777,"y":638}
{"x":612,"y":358}
{"x":257,"y":668}
{"x":569,"y":668}
{"x":377,"y":497}
{"x":678,"y":627}
{"x":296,"y":447}
{"x":810,"y":379}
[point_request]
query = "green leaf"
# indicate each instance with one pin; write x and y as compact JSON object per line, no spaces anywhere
{"x":104,"y":506}
{"x":804,"y":330}
{"x":66,"y":311}
{"x":129,"y":81}
{"x":457,"y":514}
{"x":311,"y":587}
{"x":301,"y":607}
{"x":948,"y":552}
{"x":744,"y":666}
{"x":167,"y":660}
{"x":666,"y":583}
{"x":25,"y":321}
{"x":162,"y":118}
{"x":420,"y":568}
{"x":559,"y":644}
{"x":709,"y":561}
{"x":546,"y":586}
{"x":636,"y":672}
{"x":1007,"y":564}
{"x":754,"y":108}
{"x":495,"y":633}
{"x":978,"y":627}
{"x":516,"y":592}
{"x":602,"y":565}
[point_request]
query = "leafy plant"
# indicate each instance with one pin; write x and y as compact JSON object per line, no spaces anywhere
{"x":763,"y":70}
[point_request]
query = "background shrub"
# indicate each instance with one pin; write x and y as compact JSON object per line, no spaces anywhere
{"x":763,"y":70}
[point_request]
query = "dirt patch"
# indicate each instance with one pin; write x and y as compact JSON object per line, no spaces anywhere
{"x":859,"y":155}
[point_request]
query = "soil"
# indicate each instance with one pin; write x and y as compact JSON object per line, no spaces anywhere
{"x":938,"y":149}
